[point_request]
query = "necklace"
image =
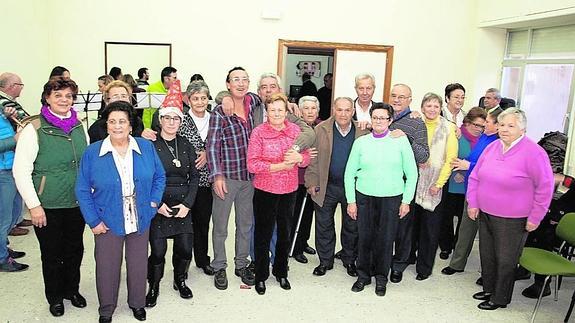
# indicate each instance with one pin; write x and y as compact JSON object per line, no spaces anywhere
{"x":176,"y":160}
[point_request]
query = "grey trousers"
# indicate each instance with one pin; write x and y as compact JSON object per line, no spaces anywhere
{"x":240,"y":194}
{"x":108,"y":253}
{"x":501,"y":242}
{"x":467,"y":232}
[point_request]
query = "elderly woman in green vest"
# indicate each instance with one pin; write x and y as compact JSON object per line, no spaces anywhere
{"x":45,"y":168}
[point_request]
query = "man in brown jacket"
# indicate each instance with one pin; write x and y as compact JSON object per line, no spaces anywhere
{"x":324,"y":181}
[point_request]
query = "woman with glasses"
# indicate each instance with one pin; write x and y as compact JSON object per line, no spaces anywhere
{"x":454,"y":193}
{"x":433,"y":175}
{"x":119,"y":188}
{"x":377,"y":195}
{"x":174,"y":219}
{"x":114,"y":91}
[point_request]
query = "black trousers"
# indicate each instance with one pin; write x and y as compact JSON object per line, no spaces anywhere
{"x":201,"y":215}
{"x":325,"y":228}
{"x":182,"y":248}
{"x":61,"y":248}
{"x":305,"y":225}
{"x":403,"y":240}
{"x":501,"y":242}
{"x":377,"y":221}
{"x":272,"y":210}
{"x":429,"y":228}
{"x":452,"y":207}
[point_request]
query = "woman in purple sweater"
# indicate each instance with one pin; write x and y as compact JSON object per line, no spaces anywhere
{"x":513,"y":166}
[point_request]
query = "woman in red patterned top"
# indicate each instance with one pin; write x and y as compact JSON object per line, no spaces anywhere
{"x":275,"y":168}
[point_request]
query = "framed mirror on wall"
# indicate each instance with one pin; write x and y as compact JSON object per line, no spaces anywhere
{"x":132,"y":56}
{"x":343,"y":60}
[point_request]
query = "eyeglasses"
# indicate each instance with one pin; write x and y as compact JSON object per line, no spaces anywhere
{"x":170,"y":119}
{"x":21,"y":84}
{"x":477,"y":125}
{"x":118,"y":97}
{"x":121,"y":122}
{"x":400,"y":97}
{"x":458,"y":97}
{"x":238,"y":80}
{"x":380,"y":118}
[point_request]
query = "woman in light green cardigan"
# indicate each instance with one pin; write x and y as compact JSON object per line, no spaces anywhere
{"x":377,"y":194}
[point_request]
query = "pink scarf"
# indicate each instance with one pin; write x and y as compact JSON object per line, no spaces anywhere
{"x":471,"y":138}
{"x":65,"y":124}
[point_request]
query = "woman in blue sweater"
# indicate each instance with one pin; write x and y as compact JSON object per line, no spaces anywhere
{"x":119,"y":187}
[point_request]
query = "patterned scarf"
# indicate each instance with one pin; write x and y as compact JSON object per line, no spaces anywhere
{"x":65,"y":124}
{"x":471,"y":138}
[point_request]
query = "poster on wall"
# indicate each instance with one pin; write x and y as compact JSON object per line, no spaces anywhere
{"x":313,"y":68}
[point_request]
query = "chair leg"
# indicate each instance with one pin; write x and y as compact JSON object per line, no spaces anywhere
{"x":556,"y":287}
{"x":539,"y":299}
{"x":570,"y":308}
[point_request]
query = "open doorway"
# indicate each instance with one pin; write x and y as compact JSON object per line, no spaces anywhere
{"x":343,"y":60}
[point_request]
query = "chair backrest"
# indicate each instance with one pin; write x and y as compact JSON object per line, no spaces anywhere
{"x":566,"y":228}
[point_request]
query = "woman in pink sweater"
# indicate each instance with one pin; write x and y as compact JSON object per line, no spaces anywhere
{"x":275,"y":166}
{"x":509,"y":190}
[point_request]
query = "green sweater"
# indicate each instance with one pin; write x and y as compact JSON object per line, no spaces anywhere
{"x":379,"y":165}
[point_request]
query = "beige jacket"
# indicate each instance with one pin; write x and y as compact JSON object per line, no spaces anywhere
{"x":317,"y":172}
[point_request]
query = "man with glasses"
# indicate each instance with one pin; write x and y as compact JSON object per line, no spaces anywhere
{"x":10,"y":201}
{"x":168,"y":76}
{"x":416,"y":132}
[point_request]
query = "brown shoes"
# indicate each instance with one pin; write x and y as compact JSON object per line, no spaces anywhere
{"x":17,"y":231}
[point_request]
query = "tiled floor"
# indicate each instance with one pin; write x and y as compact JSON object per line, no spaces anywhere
{"x":312,"y":299}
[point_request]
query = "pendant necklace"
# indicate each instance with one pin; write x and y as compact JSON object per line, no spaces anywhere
{"x":175,"y":161}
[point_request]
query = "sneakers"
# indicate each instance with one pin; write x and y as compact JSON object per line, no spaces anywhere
{"x":12,"y":266}
{"x":247,"y":276}
{"x":221,"y":279}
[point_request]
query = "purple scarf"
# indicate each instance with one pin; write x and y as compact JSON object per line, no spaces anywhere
{"x":471,"y":138}
{"x":65,"y":124}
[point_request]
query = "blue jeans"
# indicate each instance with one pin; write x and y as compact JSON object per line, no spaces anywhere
{"x":10,"y":210}
{"x":272,"y":244}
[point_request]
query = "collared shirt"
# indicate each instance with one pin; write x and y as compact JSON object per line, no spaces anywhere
{"x":457,"y":119}
{"x":512,"y":143}
{"x":125,"y":168}
{"x":227,"y":143}
{"x":342,"y":131}
{"x":492,"y":109}
{"x":6,"y":96}
{"x":360,"y":114}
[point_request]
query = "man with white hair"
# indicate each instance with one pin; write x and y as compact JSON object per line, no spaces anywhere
{"x":364,"y":87}
{"x":491,"y":100}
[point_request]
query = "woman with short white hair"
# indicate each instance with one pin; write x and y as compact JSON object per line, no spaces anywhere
{"x":513,"y":166}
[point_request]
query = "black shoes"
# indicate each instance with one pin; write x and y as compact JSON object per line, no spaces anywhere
{"x":152,"y":296}
{"x":77,"y":300}
{"x":359,"y":285}
{"x":284,"y":283}
{"x":479,"y":281}
{"x":309,"y":250}
{"x":183,"y":289}
{"x":261,"y":287}
{"x":208,"y":270}
{"x":351,"y":269}
{"x":57,"y":309}
{"x":421,"y":277}
{"x":534,"y":290}
{"x":12,"y":266}
{"x":221,"y":279}
{"x":15,"y":254}
{"x":105,"y":319}
{"x":450,"y":271}
{"x":301,"y":258}
{"x":139,"y":313}
{"x":444,"y":254}
{"x":482,"y":296}
{"x":246,"y":275}
{"x":321,"y":269}
{"x":380,"y":288}
{"x":488,"y":306}
{"x":396,"y":276}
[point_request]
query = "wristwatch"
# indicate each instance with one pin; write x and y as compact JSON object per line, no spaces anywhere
{"x":296,"y":147}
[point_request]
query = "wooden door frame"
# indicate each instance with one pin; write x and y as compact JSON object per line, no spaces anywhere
{"x":388,"y":50}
